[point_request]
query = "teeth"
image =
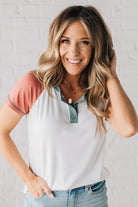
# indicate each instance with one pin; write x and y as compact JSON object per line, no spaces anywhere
{"x":74,"y":61}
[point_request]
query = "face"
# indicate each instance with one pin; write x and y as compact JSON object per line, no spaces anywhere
{"x":75,"y":48}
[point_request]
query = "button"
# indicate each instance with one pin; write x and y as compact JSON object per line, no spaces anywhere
{"x":73,"y":116}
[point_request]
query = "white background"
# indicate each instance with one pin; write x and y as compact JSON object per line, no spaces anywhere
{"x":24,"y":28}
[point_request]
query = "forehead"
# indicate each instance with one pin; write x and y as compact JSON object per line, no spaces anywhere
{"x":75,"y":29}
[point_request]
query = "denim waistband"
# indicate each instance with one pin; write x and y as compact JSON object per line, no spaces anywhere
{"x":87,"y":187}
{"x":94,"y":186}
{"x":84,"y":196}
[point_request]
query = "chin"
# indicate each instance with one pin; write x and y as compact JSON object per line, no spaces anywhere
{"x":73,"y":73}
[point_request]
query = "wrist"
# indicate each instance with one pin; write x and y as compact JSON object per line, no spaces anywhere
{"x":113,"y":78}
{"x":113,"y":83}
{"x":27,"y":175}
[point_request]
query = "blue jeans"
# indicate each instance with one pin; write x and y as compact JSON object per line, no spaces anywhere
{"x":86,"y":196}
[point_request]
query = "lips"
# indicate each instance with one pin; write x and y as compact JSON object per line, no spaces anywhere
{"x":74,"y":61}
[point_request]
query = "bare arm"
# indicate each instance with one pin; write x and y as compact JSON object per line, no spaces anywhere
{"x":122,"y":115}
{"x":36,"y":185}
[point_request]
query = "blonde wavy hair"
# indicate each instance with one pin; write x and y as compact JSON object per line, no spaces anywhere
{"x":94,"y":77}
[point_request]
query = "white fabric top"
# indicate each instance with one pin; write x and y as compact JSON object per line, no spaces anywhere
{"x":62,"y":147}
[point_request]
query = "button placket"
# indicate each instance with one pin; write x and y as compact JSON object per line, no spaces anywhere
{"x":73,"y":116}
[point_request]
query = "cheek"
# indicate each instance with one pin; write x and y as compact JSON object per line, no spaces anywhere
{"x":62,"y":54}
{"x":62,"y":50}
{"x":88,"y":54}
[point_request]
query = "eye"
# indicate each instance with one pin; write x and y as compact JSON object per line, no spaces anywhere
{"x":84,"y":42}
{"x":64,"y":41}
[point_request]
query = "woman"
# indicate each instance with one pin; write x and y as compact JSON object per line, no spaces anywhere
{"x":67,"y":100}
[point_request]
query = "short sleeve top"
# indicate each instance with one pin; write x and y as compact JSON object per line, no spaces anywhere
{"x":63,"y":148}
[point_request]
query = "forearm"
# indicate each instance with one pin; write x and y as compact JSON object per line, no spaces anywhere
{"x":13,"y":157}
{"x":123,"y":112}
{"x":35,"y":184}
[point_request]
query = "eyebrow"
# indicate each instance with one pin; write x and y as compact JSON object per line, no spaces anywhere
{"x":83,"y":38}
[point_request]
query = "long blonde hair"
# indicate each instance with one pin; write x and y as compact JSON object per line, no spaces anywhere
{"x":94,"y":77}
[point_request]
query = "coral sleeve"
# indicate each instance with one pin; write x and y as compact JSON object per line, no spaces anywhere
{"x":24,"y":94}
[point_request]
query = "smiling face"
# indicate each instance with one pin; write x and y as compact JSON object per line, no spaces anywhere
{"x":75,"y":49}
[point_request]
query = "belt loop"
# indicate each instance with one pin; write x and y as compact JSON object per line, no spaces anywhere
{"x":88,"y":189}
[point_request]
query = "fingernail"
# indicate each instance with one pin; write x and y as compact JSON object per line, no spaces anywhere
{"x":51,"y":195}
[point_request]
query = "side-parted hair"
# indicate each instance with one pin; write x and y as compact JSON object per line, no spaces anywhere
{"x":94,"y":77}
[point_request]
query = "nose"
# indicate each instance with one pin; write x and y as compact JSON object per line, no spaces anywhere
{"x":74,"y":48}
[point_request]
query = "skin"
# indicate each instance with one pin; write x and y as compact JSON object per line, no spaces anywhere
{"x":75,"y":50}
{"x":122,"y":115}
{"x":36,"y":185}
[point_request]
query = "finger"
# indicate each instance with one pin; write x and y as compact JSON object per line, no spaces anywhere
{"x":49,"y":193}
{"x":38,"y":194}
{"x":46,"y":189}
{"x":113,"y":63}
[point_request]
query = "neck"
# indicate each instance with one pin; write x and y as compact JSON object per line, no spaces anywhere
{"x":72,"y":79}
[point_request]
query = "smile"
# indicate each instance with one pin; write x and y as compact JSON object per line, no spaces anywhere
{"x":74,"y":61}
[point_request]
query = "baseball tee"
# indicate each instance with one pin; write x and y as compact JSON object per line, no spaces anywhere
{"x":63,"y":149}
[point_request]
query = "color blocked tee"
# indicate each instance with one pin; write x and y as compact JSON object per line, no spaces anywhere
{"x":63,"y":149}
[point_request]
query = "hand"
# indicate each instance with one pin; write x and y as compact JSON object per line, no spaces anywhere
{"x":113,"y":65}
{"x":37,"y":186}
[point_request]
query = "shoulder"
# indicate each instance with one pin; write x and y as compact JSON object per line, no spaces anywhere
{"x":29,"y":79}
{"x":27,"y":85}
{"x":24,"y":93}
